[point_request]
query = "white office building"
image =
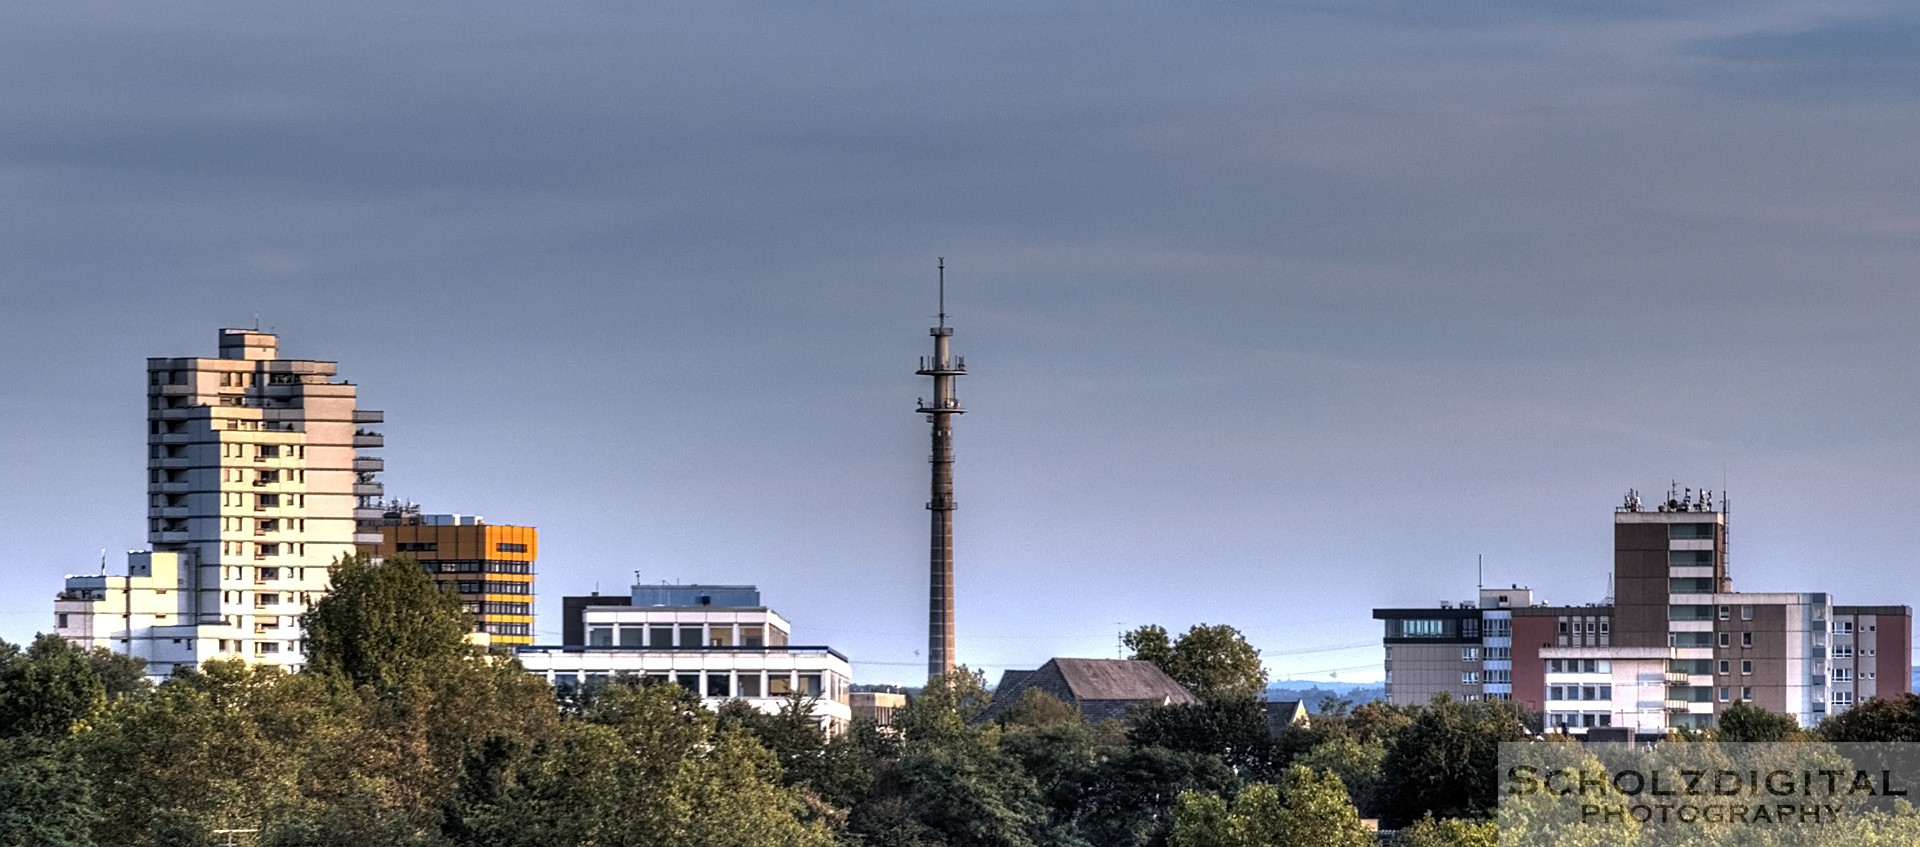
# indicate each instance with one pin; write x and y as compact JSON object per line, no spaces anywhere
{"x":716,"y":641}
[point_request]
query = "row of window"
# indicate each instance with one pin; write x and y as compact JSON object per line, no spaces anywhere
{"x":478,"y":587}
{"x":1580,"y":692}
{"x":1492,"y":654}
{"x":689,"y":636}
{"x":476,"y":566}
{"x":1568,"y":720}
{"x":722,"y":683}
{"x":1579,"y":666}
{"x":1602,"y":626}
{"x":494,"y":628}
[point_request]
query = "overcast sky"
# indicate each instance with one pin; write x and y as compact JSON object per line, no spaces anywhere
{"x":1274,"y":312}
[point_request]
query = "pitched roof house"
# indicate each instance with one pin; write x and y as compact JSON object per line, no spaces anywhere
{"x":1102,"y":689}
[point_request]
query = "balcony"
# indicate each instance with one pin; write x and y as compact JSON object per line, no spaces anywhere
{"x":174,"y":462}
{"x":367,"y":538}
{"x":169,"y":536}
{"x":369,"y":489}
{"x":170,"y":438}
{"x":171,"y":390}
{"x":366,"y":438}
{"x":366,"y":416}
{"x":364,"y":514}
{"x":1676,"y":677}
{"x":166,"y":511}
{"x":179,"y":487}
{"x":368,"y":464}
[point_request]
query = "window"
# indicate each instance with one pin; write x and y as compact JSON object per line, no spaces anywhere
{"x":1843,"y":651}
{"x":1553,"y":666}
{"x":1590,"y":626}
{"x":600,"y":636}
{"x":1746,"y":667}
{"x":1725,"y":612}
{"x":1724,"y":694}
{"x":417,"y":547}
{"x":1605,"y":625}
{"x":1421,"y":628}
{"x":1746,"y":693}
{"x":779,"y":685}
{"x":1563,"y":626}
{"x":688,"y":681}
{"x":1842,"y":698}
{"x":1726,"y":639}
{"x":1499,"y":675}
{"x":1746,"y":639}
{"x":752,"y":635}
{"x":1469,"y":654}
{"x":1726,"y":667}
{"x":1556,"y":692}
{"x":690,"y":636}
{"x":1470,"y":677}
{"x":718,"y":685}
{"x":1690,"y":530}
{"x":1496,"y":654}
{"x":630,"y":636}
{"x":1843,"y":674}
{"x":660,"y":637}
{"x":810,"y":684}
{"x":262,"y":648}
{"x":1746,"y":613}
{"x":749,"y":685}
{"x":720,"y":636}
{"x":504,"y":547}
{"x":1843,"y":626}
{"x":264,"y":600}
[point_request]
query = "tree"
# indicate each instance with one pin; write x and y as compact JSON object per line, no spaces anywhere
{"x":1894,"y":719}
{"x":1307,"y":809}
{"x":1127,"y":798}
{"x":646,"y":766}
{"x":1452,"y":832}
{"x":45,"y":798}
{"x":1037,"y":708}
{"x":1234,"y":730}
{"x":1743,"y":721}
{"x":1356,"y":763}
{"x":1213,"y":662}
{"x":1447,"y":760}
{"x":47,"y":689}
{"x":384,"y":624}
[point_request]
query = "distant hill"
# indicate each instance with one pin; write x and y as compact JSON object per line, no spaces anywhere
{"x":1310,"y":692}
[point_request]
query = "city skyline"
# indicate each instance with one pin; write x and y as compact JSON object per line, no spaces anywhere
{"x":1273,"y":315}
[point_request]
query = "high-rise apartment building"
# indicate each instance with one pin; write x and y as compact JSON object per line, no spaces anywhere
{"x":1673,"y":648}
{"x":491,"y":566}
{"x":256,"y":486}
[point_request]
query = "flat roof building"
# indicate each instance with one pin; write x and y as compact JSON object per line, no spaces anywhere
{"x":491,"y":566}
{"x":716,"y":650}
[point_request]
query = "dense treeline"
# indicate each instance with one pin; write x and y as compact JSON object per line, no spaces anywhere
{"x":400,"y":734}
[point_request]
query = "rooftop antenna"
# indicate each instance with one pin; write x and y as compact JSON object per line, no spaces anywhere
{"x":941,"y":265}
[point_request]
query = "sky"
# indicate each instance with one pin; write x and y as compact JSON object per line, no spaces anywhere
{"x":1274,"y":312}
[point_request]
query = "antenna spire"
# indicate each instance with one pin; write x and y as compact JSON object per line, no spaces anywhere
{"x":942,"y":266}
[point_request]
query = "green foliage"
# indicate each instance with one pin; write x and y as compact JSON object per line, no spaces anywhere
{"x":45,"y":798}
{"x":1451,"y":832}
{"x":1307,"y":809}
{"x":1234,"y":730}
{"x":384,"y":624}
{"x":48,"y":690}
{"x":1894,"y":719}
{"x":1446,"y":761}
{"x":1213,"y":662}
{"x":1744,"y":722}
{"x":1356,"y":763}
{"x":1127,"y":798}
{"x":944,"y":708}
{"x":1037,"y":708}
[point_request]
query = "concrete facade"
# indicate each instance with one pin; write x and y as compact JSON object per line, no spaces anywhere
{"x":256,"y":486}
{"x":718,"y":652}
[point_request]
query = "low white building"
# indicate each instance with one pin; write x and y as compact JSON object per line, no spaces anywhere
{"x":666,"y":634}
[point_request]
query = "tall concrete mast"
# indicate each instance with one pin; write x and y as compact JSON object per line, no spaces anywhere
{"x":943,"y":367}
